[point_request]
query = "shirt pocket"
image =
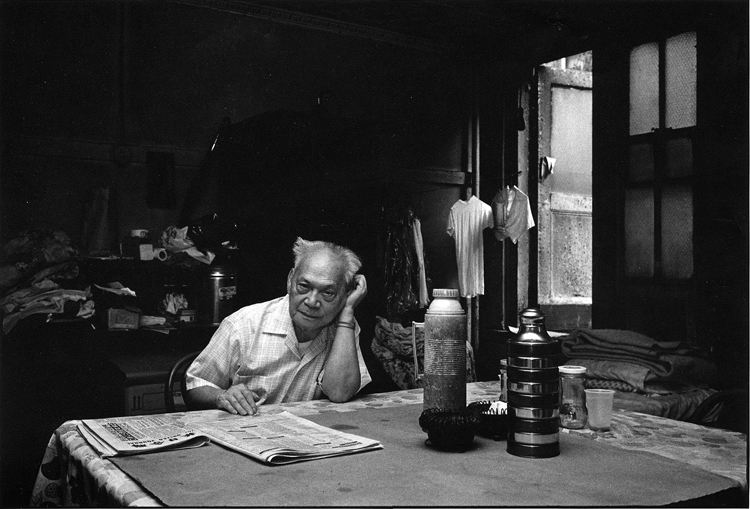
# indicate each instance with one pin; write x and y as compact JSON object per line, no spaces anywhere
{"x":255,"y":383}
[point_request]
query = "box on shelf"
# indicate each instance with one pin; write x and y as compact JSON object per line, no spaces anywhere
{"x":123,"y":319}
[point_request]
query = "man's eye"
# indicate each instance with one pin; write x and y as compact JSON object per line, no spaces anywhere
{"x":302,"y":288}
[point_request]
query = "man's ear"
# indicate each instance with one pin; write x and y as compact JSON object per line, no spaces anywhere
{"x":352,"y":284}
{"x":289,"y":281}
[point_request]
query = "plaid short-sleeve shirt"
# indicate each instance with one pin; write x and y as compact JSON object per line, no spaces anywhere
{"x":257,"y":345}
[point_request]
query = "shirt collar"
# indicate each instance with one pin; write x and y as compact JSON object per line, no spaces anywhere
{"x":280,"y":322}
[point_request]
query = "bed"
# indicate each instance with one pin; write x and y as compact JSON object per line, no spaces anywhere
{"x":668,"y":379}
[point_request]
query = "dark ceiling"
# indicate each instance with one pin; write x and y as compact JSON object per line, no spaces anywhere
{"x":528,"y":32}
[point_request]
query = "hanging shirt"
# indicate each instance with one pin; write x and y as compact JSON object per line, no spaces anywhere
{"x":466,"y":222}
{"x":512,"y":214}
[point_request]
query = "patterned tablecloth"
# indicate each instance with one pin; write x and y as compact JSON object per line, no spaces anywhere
{"x":72,"y":474}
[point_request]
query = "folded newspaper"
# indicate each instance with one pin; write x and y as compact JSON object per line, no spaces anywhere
{"x":274,"y":439}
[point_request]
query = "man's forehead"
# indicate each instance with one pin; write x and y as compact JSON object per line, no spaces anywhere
{"x":321,"y":264}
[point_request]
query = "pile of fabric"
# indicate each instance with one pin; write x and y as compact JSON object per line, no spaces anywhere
{"x":39,"y":275}
{"x":638,"y":362}
{"x":393,"y":347}
{"x":666,"y":378}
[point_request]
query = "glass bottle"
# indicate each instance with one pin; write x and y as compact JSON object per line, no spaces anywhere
{"x":503,"y":376}
{"x":573,"y":413}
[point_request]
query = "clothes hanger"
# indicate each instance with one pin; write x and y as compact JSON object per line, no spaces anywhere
{"x":511,"y":179}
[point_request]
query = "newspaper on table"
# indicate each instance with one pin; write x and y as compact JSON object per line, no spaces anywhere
{"x":275,"y":439}
{"x":123,"y":436}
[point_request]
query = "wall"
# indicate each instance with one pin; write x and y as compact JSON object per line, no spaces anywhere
{"x":710,"y":309}
{"x":92,"y":90}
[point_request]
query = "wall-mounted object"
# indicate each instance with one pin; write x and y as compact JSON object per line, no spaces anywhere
{"x":546,"y":167}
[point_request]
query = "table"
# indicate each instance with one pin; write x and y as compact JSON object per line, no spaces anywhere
{"x":72,"y":474}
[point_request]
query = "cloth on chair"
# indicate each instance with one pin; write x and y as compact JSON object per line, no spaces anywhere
{"x":392,"y":345}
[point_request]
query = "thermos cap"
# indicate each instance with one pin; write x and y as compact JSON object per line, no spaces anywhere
{"x":450,"y":293}
{"x":532,"y":313}
{"x":445,"y":302}
{"x":221,"y":271}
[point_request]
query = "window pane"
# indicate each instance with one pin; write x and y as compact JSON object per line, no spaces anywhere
{"x":677,"y":232}
{"x":644,"y":88}
{"x":571,"y":140}
{"x":641,"y":162}
{"x":639,"y":233}
{"x":679,"y":157}
{"x":680,"y":74}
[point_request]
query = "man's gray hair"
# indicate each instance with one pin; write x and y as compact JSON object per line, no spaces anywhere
{"x":304,"y":248}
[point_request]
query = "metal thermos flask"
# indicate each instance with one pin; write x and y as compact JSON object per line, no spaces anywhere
{"x":217,"y":297}
{"x":533,"y":389}
{"x":445,"y":352}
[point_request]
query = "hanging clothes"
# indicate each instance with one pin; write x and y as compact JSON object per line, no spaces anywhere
{"x":406,"y":280}
{"x":512,"y":214}
{"x":399,"y":270}
{"x":424,"y":296}
{"x":466,"y":222}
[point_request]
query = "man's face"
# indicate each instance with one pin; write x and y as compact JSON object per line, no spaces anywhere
{"x":317,"y":292}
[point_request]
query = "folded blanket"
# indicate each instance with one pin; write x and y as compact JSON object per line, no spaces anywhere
{"x":615,"y":385}
{"x":647,"y":364}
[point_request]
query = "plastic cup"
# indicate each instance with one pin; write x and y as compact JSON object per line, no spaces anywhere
{"x":599,"y":404}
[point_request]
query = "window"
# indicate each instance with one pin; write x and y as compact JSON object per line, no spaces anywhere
{"x":659,"y":194}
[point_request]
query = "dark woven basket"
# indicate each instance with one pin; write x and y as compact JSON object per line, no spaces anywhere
{"x":494,"y":426}
{"x":449,"y":429}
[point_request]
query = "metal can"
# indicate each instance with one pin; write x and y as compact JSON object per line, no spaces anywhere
{"x":217,"y":297}
{"x":445,"y":352}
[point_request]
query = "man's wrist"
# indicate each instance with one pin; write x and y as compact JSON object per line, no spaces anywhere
{"x":348,"y":324}
{"x":346,"y":315}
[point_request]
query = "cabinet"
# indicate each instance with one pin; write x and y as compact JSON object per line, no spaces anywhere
{"x":143,"y":390}
{"x":142,"y":360}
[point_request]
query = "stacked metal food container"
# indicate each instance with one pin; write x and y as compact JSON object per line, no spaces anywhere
{"x":533,"y":389}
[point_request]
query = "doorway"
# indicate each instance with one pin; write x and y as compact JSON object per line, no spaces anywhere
{"x":560,"y":191}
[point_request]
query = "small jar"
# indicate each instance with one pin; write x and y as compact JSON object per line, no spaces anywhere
{"x":573,"y":413}
{"x":131,"y":245}
{"x":503,"y":376}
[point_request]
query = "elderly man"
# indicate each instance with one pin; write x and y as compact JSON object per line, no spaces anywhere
{"x":298,"y":347}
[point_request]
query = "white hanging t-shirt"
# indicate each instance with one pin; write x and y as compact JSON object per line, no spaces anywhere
{"x":466,"y":222}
